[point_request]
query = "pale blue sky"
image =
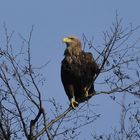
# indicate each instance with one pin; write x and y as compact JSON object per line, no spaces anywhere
{"x":55,"y":19}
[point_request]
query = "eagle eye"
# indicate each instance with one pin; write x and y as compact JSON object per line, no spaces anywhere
{"x":71,"y":38}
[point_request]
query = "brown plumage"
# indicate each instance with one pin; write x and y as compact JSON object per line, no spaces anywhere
{"x":78,"y":69}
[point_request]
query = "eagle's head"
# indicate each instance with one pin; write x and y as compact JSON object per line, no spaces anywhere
{"x":73,"y":46}
{"x":72,"y":41}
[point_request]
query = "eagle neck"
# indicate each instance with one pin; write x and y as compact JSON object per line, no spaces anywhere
{"x":72,"y":51}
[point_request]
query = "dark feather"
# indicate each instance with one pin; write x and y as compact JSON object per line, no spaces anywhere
{"x":78,"y":69}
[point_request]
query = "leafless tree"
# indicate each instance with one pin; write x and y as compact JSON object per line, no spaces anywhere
{"x":22,"y":110}
{"x":129,"y":123}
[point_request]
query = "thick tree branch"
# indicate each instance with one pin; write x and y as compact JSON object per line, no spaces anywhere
{"x":54,"y":121}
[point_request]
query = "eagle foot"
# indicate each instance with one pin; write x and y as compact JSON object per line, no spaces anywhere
{"x":73,"y":103}
{"x":86,"y":92}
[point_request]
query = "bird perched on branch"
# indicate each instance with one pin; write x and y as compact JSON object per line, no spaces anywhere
{"x":78,"y":69}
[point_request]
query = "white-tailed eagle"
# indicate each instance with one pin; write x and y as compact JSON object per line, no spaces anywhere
{"x":78,"y":69}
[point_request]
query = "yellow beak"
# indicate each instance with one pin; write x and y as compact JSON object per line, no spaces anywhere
{"x":66,"y":40}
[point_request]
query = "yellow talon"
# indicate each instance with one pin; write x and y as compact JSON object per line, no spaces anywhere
{"x":74,"y":104}
{"x":86,"y":92}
